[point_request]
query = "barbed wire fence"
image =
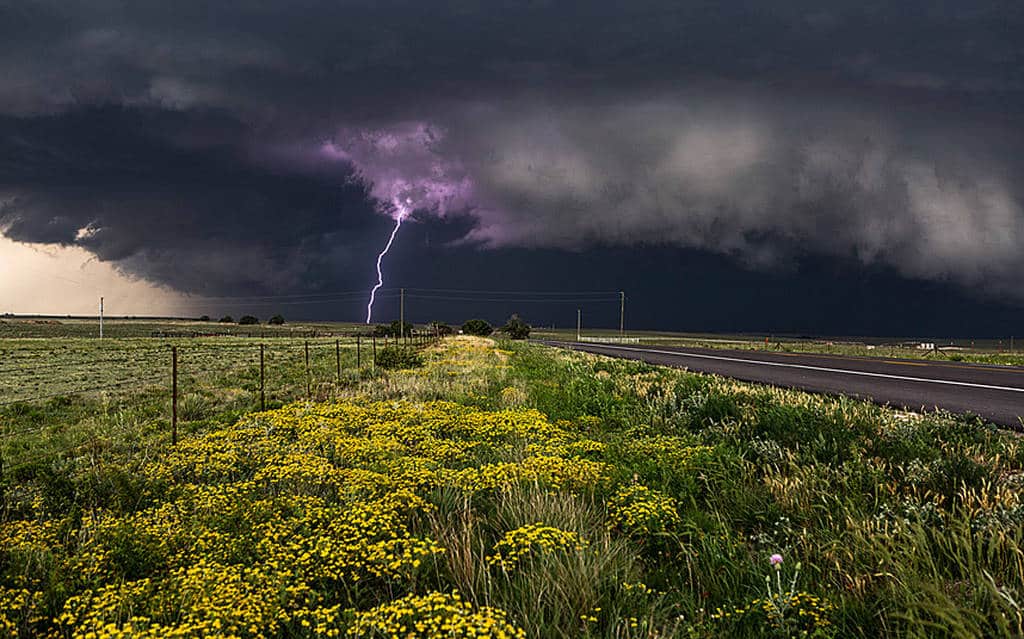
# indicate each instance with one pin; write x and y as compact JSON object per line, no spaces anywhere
{"x":183,"y":375}
{"x":191,"y":378}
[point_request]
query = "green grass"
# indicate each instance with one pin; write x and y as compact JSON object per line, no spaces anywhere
{"x":982,"y":351}
{"x":889,"y":523}
{"x":50,"y":328}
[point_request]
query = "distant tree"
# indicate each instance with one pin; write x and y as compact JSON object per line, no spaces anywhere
{"x":248,"y":320}
{"x":440,"y":328}
{"x":395,"y":329}
{"x":479,"y":327}
{"x":227,"y":319}
{"x":381,"y":330}
{"x":204,"y":318}
{"x":276,"y":320}
{"x":516,"y":328}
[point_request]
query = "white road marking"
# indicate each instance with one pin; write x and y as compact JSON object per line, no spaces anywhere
{"x":826,"y":369}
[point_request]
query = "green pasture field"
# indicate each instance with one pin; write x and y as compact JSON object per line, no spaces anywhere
{"x":52,"y":327}
{"x":503,"y":489}
{"x":983,"y":351}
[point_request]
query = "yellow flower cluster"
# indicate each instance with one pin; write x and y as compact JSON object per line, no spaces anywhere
{"x":802,"y":610}
{"x":17,"y":606}
{"x":547,"y":470}
{"x":639,"y":509}
{"x":678,"y":452}
{"x":531,"y":540}
{"x":287,"y":522}
{"x":433,"y":615}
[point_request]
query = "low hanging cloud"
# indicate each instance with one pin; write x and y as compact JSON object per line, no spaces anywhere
{"x":763,"y":181}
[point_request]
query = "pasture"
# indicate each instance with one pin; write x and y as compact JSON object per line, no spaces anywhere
{"x":502,"y":489}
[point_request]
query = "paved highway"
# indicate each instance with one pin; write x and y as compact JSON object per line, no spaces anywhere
{"x":994,"y":392}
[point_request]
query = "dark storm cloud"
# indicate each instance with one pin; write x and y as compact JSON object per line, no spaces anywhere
{"x":211,"y":146}
{"x":123,"y":186}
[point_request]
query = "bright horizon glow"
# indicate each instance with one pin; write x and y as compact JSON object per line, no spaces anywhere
{"x":40,"y":279}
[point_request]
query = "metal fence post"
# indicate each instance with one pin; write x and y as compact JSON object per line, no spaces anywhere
{"x":263,"y":383}
{"x":374,"y":365}
{"x":337,"y":357}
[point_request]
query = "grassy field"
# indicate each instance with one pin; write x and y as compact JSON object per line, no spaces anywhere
{"x":986,"y":351}
{"x":27,"y":327}
{"x":504,"y":490}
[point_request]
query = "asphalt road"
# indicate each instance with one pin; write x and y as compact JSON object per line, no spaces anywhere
{"x":994,"y":392}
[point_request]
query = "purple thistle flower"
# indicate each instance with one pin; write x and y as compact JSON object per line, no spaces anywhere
{"x":775,"y":559}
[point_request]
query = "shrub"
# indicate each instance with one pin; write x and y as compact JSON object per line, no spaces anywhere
{"x":478,"y":327}
{"x":248,"y":320}
{"x":276,"y":320}
{"x":516,"y":328}
{"x":204,"y":318}
{"x":227,"y":319}
{"x":440,"y":328}
{"x":397,"y":357}
{"x":395,"y":329}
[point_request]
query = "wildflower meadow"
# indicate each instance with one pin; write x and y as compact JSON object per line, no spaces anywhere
{"x":511,"y":490}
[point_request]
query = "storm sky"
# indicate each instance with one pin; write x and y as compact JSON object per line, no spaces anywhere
{"x":821,"y":167}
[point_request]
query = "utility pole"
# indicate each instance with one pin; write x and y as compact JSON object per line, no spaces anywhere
{"x":622,"y":313}
{"x":101,"y":318}
{"x":401,"y":313}
{"x":579,"y":322}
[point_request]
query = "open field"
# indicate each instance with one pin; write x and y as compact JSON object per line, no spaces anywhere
{"x":49,"y":327}
{"x":982,"y":351}
{"x":506,"y":489}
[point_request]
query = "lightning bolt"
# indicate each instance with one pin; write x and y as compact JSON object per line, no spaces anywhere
{"x":380,"y":274}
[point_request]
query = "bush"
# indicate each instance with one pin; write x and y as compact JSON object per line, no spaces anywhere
{"x":227,"y":319}
{"x":276,"y":320}
{"x":248,"y":320}
{"x":204,"y":318}
{"x":478,"y":327}
{"x":516,"y":328}
{"x":394,"y":329}
{"x":392,"y":357}
{"x":440,"y":328}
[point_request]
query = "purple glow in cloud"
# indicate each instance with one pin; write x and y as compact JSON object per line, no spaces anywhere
{"x":404,"y":173}
{"x":403,"y":167}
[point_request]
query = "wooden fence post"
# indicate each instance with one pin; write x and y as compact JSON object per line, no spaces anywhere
{"x":374,"y":365}
{"x":358,"y":358}
{"x":174,"y":395}
{"x":263,"y":383}
{"x":309,"y":392}
{"x":337,"y":357}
